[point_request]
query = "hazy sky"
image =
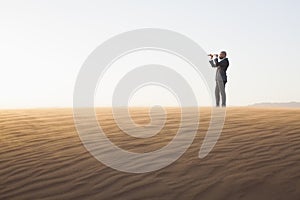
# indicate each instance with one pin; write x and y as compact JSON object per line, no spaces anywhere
{"x":44,"y":43}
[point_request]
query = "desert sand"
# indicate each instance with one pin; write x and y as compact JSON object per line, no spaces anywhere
{"x":256,"y":157}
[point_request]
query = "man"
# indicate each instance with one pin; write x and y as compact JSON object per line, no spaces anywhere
{"x":221,"y":78}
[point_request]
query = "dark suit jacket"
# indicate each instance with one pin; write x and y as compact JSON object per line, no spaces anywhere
{"x":222,"y":67}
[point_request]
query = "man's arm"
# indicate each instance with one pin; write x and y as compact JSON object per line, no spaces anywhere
{"x":212,"y":63}
{"x":222,"y":64}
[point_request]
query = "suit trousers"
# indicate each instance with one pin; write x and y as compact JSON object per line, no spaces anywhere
{"x":220,"y":89}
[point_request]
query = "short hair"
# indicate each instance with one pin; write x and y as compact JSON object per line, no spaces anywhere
{"x":224,"y":52}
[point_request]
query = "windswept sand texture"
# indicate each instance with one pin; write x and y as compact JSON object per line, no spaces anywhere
{"x":256,"y":157}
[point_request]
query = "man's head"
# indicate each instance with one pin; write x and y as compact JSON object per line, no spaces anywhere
{"x":223,"y":54}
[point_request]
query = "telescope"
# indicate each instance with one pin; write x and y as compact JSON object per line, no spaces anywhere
{"x":211,"y":55}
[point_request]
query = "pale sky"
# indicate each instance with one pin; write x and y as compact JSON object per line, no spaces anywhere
{"x":43,"y":44}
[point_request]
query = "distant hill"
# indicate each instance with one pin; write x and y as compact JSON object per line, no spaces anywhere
{"x":284,"y":104}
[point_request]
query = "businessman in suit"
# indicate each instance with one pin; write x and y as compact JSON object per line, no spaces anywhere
{"x":221,"y":63}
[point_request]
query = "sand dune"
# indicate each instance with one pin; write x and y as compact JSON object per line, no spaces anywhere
{"x":256,"y":157}
{"x":279,"y":105}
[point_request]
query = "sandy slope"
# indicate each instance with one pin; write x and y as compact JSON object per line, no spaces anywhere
{"x":257,"y":157}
